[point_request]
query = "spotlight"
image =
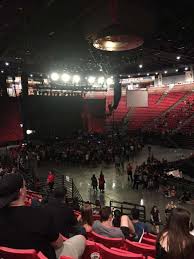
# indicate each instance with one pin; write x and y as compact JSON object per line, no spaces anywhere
{"x":109,"y":45}
{"x":138,"y":74}
{"x":65,"y":77}
{"x":178,"y":57}
{"x":76,"y":79}
{"x":2,"y":71}
{"x":186,"y":68}
{"x":21,"y":125}
{"x":156,"y":73}
{"x":109,"y":81}
{"x":7,"y":64}
{"x":140,"y":66}
{"x":91,"y":80}
{"x":148,"y":74}
{"x":101,"y":80}
{"x":165,"y":72}
{"x":176,"y":70}
{"x":28,"y":132}
{"x":31,"y":75}
{"x":54,"y":76}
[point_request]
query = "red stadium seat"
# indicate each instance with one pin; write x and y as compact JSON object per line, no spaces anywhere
{"x":149,"y":235}
{"x":91,"y":247}
{"x":149,"y":257}
{"x":139,"y":248}
{"x":109,"y":242}
{"x":148,"y":241}
{"x":136,"y":256}
{"x":107,"y":253}
{"x":10,"y":253}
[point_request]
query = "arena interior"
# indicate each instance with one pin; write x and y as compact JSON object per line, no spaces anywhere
{"x":96,"y":129}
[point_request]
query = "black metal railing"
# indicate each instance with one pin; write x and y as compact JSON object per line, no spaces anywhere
{"x":126,"y":207}
{"x":64,"y":182}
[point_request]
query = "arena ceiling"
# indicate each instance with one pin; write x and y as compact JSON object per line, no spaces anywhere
{"x":48,"y":35}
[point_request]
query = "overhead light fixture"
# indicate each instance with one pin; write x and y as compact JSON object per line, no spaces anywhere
{"x":140,"y":66}
{"x":156,"y":73}
{"x":28,"y":132}
{"x":186,"y":68}
{"x":138,"y":74}
{"x":116,"y":37}
{"x":65,"y":78}
{"x":165,"y":72}
{"x":91,"y":80}
{"x":101,"y":80}
{"x":109,"y":81}
{"x":178,"y":57}
{"x":54,"y":76}
{"x":76,"y":79}
{"x":2,"y":71}
{"x":7,"y":64}
{"x":176,"y":70}
{"x":148,"y":74}
{"x":31,"y":75}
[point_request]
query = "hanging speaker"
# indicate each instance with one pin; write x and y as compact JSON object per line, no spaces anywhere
{"x":24,"y":82}
{"x":117,"y":93}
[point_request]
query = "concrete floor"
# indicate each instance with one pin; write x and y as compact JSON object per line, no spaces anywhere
{"x":117,"y":187}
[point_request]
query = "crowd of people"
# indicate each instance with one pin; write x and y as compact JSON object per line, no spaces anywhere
{"x":42,"y":226}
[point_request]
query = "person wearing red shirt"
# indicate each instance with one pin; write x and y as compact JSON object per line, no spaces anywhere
{"x":51,"y":180}
{"x":101,"y":182}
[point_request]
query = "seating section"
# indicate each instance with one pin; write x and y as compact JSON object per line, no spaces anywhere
{"x":175,"y":103}
{"x":10,"y":129}
{"x":176,"y":117}
{"x":142,"y":116}
{"x":113,"y":248}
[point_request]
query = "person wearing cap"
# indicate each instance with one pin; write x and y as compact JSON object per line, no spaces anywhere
{"x":31,"y":228}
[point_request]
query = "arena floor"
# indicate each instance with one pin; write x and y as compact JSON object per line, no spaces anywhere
{"x":117,"y":186}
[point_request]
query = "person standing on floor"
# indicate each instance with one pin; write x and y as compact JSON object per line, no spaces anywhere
{"x":129,"y":172}
{"x":94,"y":182}
{"x":51,"y":180}
{"x":101,"y":182}
{"x":136,"y":180}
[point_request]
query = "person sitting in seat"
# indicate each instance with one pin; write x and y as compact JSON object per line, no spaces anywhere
{"x":140,"y":227}
{"x":31,"y":228}
{"x":86,"y":217}
{"x":175,"y":241}
{"x":105,"y":227}
{"x":65,"y":220}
